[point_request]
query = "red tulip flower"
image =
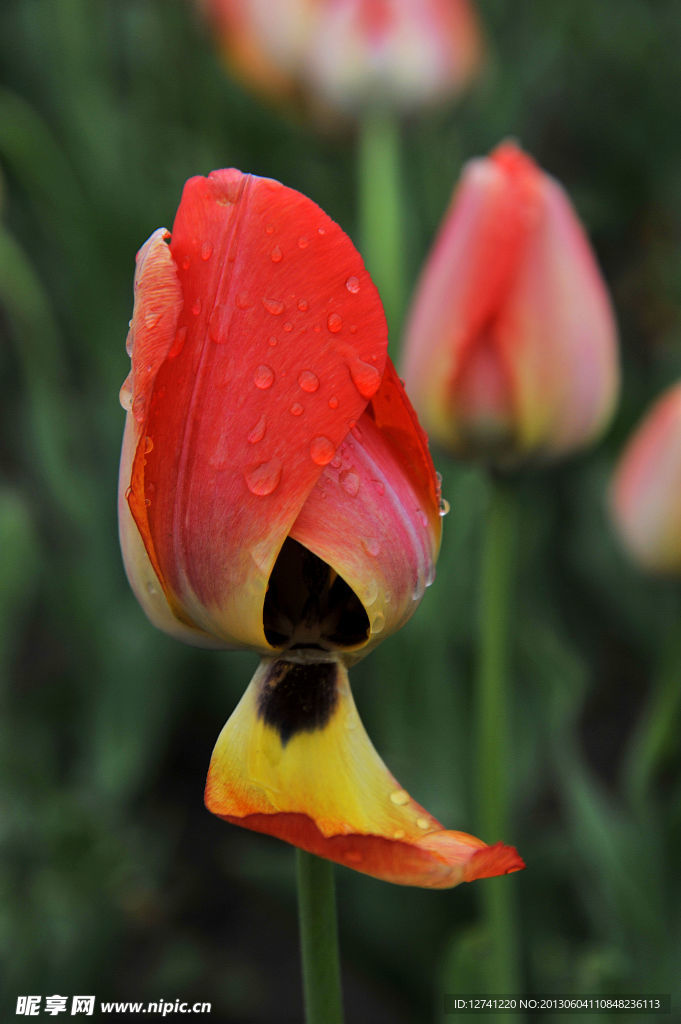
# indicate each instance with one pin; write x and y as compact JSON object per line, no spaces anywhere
{"x":646,"y":492}
{"x":277,"y":494}
{"x":511,"y":350}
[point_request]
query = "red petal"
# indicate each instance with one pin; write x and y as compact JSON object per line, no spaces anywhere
{"x":281,"y":343}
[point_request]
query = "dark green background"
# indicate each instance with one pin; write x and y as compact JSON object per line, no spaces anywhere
{"x":113,"y":878}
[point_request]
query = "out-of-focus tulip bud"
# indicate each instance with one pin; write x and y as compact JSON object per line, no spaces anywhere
{"x":511,"y":349}
{"x":646,"y":490}
{"x":350,"y":55}
{"x":276,"y":493}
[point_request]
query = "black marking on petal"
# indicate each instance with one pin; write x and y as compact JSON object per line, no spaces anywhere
{"x":298,"y":697}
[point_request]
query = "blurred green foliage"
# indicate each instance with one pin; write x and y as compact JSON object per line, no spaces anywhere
{"x":113,"y":879}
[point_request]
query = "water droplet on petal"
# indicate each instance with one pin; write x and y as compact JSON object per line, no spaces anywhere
{"x":336,"y":462}
{"x":272,"y":341}
{"x":322,"y":450}
{"x":148,"y":445}
{"x":273,"y":306}
{"x":303,"y":305}
{"x":196,"y":308}
{"x":258,"y":431}
{"x":352,"y":284}
{"x":379,"y":485}
{"x":321,"y":231}
{"x":296,"y":409}
{"x":151,"y":319}
{"x":243,"y":301}
{"x":288,"y":326}
{"x":422,"y":517}
{"x":308,"y":381}
{"x":206,"y":251}
{"x":263,"y":478}
{"x":269,"y":230}
{"x":151,"y":589}
{"x":276,"y":255}
{"x":333,"y":402}
{"x":128,"y":493}
{"x":303,"y":242}
{"x":264,"y":377}
{"x":371,"y":546}
{"x":349,"y":481}
{"x":334,"y":322}
{"x":125,"y":394}
{"x":398,"y":833}
{"x":366,"y":378}
{"x":400,"y":797}
{"x":378,"y":623}
{"x":186,"y":263}
{"x":147,"y":502}
{"x":178,"y":343}
{"x":444,"y":507}
{"x":353,"y":328}
{"x":370,"y":592}
{"x":423,"y":823}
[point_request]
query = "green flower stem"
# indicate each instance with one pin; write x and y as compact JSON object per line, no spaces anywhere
{"x":319,"y":940}
{"x":493,"y":724}
{"x":381,"y":210}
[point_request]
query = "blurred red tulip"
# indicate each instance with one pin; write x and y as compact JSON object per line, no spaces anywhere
{"x":646,"y":491}
{"x":511,"y":351}
{"x":349,"y":55}
{"x":276,"y":493}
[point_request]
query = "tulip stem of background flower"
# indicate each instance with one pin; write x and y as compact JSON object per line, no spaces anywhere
{"x":493,"y":720}
{"x":381,"y":211}
{"x":319,"y":940}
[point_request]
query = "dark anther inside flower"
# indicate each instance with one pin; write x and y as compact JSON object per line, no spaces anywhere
{"x":276,"y":494}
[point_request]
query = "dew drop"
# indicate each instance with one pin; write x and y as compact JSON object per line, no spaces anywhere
{"x":378,"y":623}
{"x":303,"y":242}
{"x":151,"y":319}
{"x":196,"y":308}
{"x":379,"y":485}
{"x":148,"y":445}
{"x":147,"y":502}
{"x":321,"y":231}
{"x":128,"y":493}
{"x":125,"y":394}
{"x":352,"y":284}
{"x":276,"y":255}
{"x":322,"y":450}
{"x":400,"y":797}
{"x":263,"y":478}
{"x":303,"y":305}
{"x":308,"y":381}
{"x":139,"y":408}
{"x":423,"y":823}
{"x":333,"y":402}
{"x":288,"y":326}
{"x":243,"y":301}
{"x":273,"y":306}
{"x":349,"y":481}
{"x":272,"y":341}
{"x":334,"y":323}
{"x":371,"y":546}
{"x":422,"y":517}
{"x":264,"y":377}
{"x":269,"y":230}
{"x":366,"y":378}
{"x":151,"y":589}
{"x":444,"y":507}
{"x":296,"y":409}
{"x":258,"y":431}
{"x":178,"y":343}
{"x":370,"y":592}
{"x":398,"y":833}
{"x":336,"y":461}
{"x":206,"y":251}
{"x":353,"y":328}
{"x":186,"y":263}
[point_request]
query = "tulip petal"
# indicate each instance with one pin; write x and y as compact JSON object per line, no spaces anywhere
{"x":295,"y":761}
{"x":380,"y":489}
{"x":280,"y":344}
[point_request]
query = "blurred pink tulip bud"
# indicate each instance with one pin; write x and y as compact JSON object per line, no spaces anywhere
{"x":646,"y":491}
{"x":344,"y":56}
{"x":511,"y":349}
